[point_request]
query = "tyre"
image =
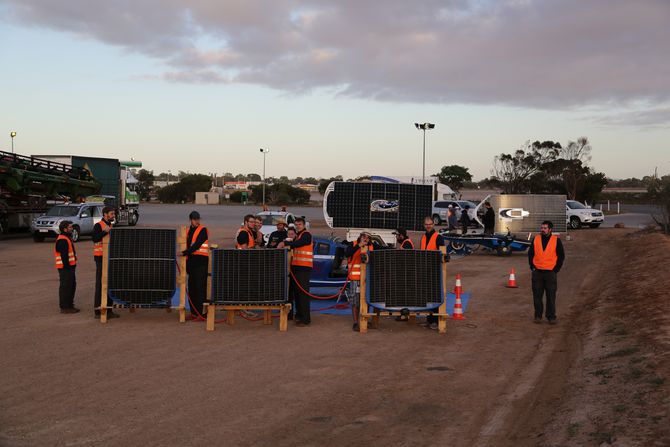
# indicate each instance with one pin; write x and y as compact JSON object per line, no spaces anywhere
{"x":436,"y":219}
{"x":575,"y":223}
{"x":594,"y":225}
{"x":132,"y":219}
{"x":38,"y":237}
{"x":457,"y":246}
{"x":504,"y":250}
{"x":75,"y":233}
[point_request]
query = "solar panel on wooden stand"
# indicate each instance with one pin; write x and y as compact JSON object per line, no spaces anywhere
{"x":399,"y":279}
{"x":142,"y":266}
{"x":249,"y":276}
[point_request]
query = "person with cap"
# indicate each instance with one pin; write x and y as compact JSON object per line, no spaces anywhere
{"x":403,"y":241}
{"x":277,"y":236}
{"x":546,"y":257}
{"x":197,"y":263}
{"x":66,"y":263}
{"x":465,"y":219}
{"x":302,"y":262}
{"x":100,"y":231}
{"x":452,"y":220}
{"x":353,"y":254}
{"x":245,"y":236}
{"x":489,"y":219}
{"x":431,"y":240}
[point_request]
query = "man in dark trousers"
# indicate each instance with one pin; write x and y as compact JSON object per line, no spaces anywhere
{"x":197,"y":263}
{"x":431,"y":240}
{"x":403,"y":241}
{"x":277,"y":236}
{"x":302,"y":261}
{"x":545,"y":256}
{"x":489,"y":219}
{"x":100,"y":231}
{"x":66,"y":263}
{"x":465,"y":219}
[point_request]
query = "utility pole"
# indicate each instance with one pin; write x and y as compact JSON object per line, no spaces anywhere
{"x":424,"y":127}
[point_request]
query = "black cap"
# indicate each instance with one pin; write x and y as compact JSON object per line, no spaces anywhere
{"x":401,"y":231}
{"x":194,"y":215}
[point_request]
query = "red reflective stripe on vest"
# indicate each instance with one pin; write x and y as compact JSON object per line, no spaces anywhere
{"x":204,"y":248}
{"x":354,"y":263}
{"x":432,"y":243}
{"x":97,"y":246}
{"x":545,"y":259}
{"x":303,"y":256}
{"x":252,"y":242}
{"x":72,"y":258}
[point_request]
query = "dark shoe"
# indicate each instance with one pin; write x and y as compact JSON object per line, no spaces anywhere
{"x":96,"y":314}
{"x":111,"y":314}
{"x":69,"y":310}
{"x":356,"y":327}
{"x":432,"y":326}
{"x":537,"y":320}
{"x":290,"y":316}
{"x":553,"y":321}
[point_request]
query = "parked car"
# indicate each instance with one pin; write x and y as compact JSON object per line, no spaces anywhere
{"x":577,"y":214}
{"x":82,"y":215}
{"x":440,"y":209}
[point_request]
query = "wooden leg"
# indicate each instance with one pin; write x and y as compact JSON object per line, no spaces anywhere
{"x":103,"y":314}
{"x":211,"y":315}
{"x":375,"y":322}
{"x":168,"y":309}
{"x":363,"y":324}
{"x":267,"y":317}
{"x":442,"y":325}
{"x":283,"y":317}
{"x":230,"y":317}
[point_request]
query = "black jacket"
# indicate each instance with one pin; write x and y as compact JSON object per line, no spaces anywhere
{"x":193,"y":245}
{"x":61,"y":248}
{"x":276,"y":237}
{"x":489,"y":218}
{"x":559,"y":252}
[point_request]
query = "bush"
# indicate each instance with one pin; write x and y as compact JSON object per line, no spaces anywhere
{"x":280,"y":194}
{"x":236,"y":196}
{"x":185,"y":189}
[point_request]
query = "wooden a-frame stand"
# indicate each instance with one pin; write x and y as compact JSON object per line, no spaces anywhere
{"x":211,"y":308}
{"x":181,"y":281}
{"x":366,"y":315}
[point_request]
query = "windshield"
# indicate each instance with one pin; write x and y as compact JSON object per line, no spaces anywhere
{"x":576,"y":206}
{"x":465,"y":203}
{"x":63,"y":211}
{"x":269,"y":219}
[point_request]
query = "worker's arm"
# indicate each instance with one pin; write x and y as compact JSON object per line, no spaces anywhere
{"x":561,"y":255}
{"x":531,"y":255}
{"x":197,"y":243}
{"x":439,"y":241}
{"x":305,"y":239}
{"x":98,"y":234}
{"x":243,"y":239}
{"x":61,"y":248}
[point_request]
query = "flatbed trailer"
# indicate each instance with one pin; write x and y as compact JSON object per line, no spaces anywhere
{"x":501,"y":244}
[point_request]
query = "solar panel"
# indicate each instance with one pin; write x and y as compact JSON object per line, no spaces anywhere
{"x":249,"y":276}
{"x":142,"y":266}
{"x":398,"y":279}
{"x":379,"y":205}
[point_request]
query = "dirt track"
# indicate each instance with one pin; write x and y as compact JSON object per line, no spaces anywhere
{"x":495,"y":379}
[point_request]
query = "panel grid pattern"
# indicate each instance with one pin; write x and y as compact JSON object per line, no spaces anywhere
{"x":142,"y":266}
{"x":249,"y":276}
{"x":399,"y":279}
{"x":349,"y":205}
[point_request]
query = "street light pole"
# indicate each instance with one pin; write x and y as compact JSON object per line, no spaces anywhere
{"x":12,"y":134}
{"x":264,"y":152}
{"x":424,"y":127}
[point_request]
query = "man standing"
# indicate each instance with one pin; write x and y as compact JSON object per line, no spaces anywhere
{"x":403,"y":241}
{"x":431,"y":240}
{"x":260,"y":242}
{"x":545,"y":256}
{"x":302,"y":261}
{"x":100,"y":231}
{"x":489,"y":219}
{"x":353,"y":254}
{"x":245,"y":236}
{"x":66,"y":263}
{"x":465,"y":219}
{"x":278,"y":235}
{"x":197,"y":263}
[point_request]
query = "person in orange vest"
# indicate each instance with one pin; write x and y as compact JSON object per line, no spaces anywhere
{"x":246,"y":236}
{"x":431,"y":240}
{"x":353,"y":254}
{"x":197,"y":263}
{"x":403,"y":241}
{"x":66,"y":263}
{"x":100,"y":231}
{"x":546,"y":257}
{"x":302,"y":261}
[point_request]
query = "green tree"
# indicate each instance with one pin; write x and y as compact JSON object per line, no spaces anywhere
{"x":185,"y":189}
{"x":145,"y":183}
{"x":254,"y":178}
{"x":280,"y":194}
{"x":454,"y":176}
{"x":323,"y":183}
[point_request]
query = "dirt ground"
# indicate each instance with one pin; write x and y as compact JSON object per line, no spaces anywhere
{"x":496,"y":379}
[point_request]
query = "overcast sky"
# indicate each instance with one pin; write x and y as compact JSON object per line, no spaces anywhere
{"x":335,"y":87}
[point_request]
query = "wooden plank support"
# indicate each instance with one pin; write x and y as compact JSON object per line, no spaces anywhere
{"x":267,"y":317}
{"x":231,"y":309}
{"x":211,"y":315}
{"x":442,"y":316}
{"x":363,"y":305}
{"x":181,"y":279}
{"x":283,"y":317}
{"x":105,"y":279}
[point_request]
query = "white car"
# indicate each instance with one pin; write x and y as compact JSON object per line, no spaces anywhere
{"x":578,"y":214}
{"x":270,"y":219}
{"x":440,"y":209}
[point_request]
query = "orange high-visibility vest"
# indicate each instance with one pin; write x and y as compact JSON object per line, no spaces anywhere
{"x":72,"y":258}
{"x":252,"y":241}
{"x":432,"y":243}
{"x":354,"y":264}
{"x":204,"y":248}
{"x":97,"y":246}
{"x":411,"y":244}
{"x":303,"y":256}
{"x":545,"y":259}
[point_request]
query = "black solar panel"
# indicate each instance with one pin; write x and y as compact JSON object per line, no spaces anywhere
{"x":379,"y":205}
{"x":142,"y":266}
{"x":249,"y":276}
{"x":399,"y":279}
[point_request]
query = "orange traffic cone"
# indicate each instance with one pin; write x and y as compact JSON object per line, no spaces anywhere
{"x":458,"y":308}
{"x":458,"y":289}
{"x":511,"y":282}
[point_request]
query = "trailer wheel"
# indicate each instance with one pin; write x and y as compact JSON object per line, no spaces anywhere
{"x":575,"y":223}
{"x":457,"y":246}
{"x":132,"y":219}
{"x":504,"y":250}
